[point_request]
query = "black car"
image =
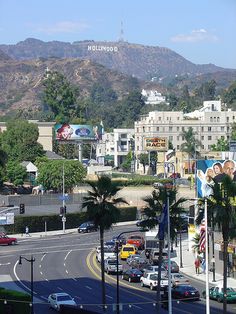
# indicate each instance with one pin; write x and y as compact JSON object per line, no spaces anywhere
{"x":132,"y":275}
{"x":87,"y":227}
{"x":185,"y":292}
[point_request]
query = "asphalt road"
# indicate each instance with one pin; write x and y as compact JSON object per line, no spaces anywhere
{"x":67,"y":263}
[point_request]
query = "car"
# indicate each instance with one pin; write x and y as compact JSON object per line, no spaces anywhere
{"x":185,"y":292}
{"x":110,"y":244}
{"x":178,"y":279}
{"x":55,"y":300}
{"x":5,"y":240}
{"x":175,"y":175}
{"x":108,"y":253}
{"x":216,"y":293}
{"x":174,"y":266}
{"x":136,"y":240}
{"x":139,"y":263}
{"x":110,"y":266}
{"x":151,"y":279}
{"x":154,"y":256}
{"x":157,"y":185}
{"x":132,"y":275}
{"x":132,"y":257}
{"x":127,"y":250}
{"x":87,"y":227}
{"x":155,"y":269}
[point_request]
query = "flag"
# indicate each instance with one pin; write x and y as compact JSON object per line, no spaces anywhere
{"x":163,"y":222}
{"x":169,"y":154}
{"x":202,"y":241}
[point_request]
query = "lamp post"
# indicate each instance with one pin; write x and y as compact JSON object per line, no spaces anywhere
{"x":31,"y":261}
{"x":169,"y":260}
{"x":206,"y":261}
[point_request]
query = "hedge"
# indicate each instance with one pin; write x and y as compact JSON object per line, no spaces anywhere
{"x":17,"y":302}
{"x":73,"y":220}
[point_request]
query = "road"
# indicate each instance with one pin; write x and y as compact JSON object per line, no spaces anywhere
{"x":67,"y":263}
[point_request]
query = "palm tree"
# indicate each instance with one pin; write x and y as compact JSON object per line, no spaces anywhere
{"x":196,"y":243}
{"x":153,"y":211}
{"x":221,"y":209}
{"x":101,"y":204}
{"x":190,"y":145}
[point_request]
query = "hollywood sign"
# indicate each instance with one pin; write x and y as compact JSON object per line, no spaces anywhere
{"x":103,"y":48}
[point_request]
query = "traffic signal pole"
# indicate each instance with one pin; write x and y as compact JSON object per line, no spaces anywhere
{"x":63,"y":199}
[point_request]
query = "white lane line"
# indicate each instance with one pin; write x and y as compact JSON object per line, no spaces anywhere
{"x":59,"y":288}
{"x":67,"y":271}
{"x":137,"y":307}
{"x":18,"y":279}
{"x":67,"y":254}
{"x":109,"y":297}
{"x":43,"y":257}
{"x":64,"y":264}
{"x":40,"y":266}
{"x":5,"y":264}
{"x":74,"y":279}
{"x":88,"y":287}
{"x":44,"y":298}
{"x":41,"y":273}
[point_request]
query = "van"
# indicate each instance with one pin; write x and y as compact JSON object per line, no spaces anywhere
{"x":127,"y":250}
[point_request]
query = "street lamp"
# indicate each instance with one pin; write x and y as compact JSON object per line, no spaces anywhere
{"x":31,"y":261}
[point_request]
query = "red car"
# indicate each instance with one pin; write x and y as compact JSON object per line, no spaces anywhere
{"x":136,"y":240}
{"x":5,"y":240}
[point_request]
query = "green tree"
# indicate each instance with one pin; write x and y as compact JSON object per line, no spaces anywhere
{"x":101,"y":204}
{"x":60,"y":96}
{"x":126,"y":165}
{"x":190,"y":145}
{"x":222,"y":145}
{"x":153,"y":210}
{"x":19,"y":141}
{"x":143,"y":159}
{"x":15,"y":173}
{"x":221,"y":208}
{"x":51,"y":174}
{"x":229,"y":95}
{"x":196,"y":245}
{"x":206,"y":91}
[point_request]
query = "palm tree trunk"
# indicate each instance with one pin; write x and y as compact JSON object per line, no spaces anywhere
{"x":102,"y":269}
{"x":225,"y":259}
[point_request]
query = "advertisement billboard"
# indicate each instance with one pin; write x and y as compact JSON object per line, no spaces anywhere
{"x":207,"y":170}
{"x":156,"y":144}
{"x":7,"y":219}
{"x":77,"y":132}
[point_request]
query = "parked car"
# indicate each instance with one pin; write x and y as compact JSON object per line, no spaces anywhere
{"x":154,"y":256}
{"x":127,"y":250}
{"x":136,"y":240}
{"x":108,"y":253}
{"x":185,"y":292}
{"x":5,"y":240}
{"x":132,"y":275}
{"x":110,"y":266}
{"x":55,"y":300}
{"x":174,"y":266}
{"x":216,"y":293}
{"x":178,"y":279}
{"x":87,"y":227}
{"x":150,"y":280}
{"x":175,"y":175}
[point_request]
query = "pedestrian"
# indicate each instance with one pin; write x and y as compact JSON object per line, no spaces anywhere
{"x":27,"y":231}
{"x":203,"y":266}
{"x":197,"y":265}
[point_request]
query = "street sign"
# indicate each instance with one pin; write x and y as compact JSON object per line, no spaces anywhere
{"x":63,"y":219}
{"x":232,"y":146}
{"x":64,"y":197}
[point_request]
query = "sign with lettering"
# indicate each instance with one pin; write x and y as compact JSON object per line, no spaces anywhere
{"x":156,"y":144}
{"x":103,"y":48}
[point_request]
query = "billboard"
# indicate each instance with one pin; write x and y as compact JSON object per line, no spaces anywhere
{"x":156,"y":144}
{"x":7,"y":219}
{"x":207,"y":170}
{"x":77,"y":132}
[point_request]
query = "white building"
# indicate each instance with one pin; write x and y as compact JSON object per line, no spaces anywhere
{"x":209,"y":126}
{"x":115,"y":146}
{"x":153,"y":97}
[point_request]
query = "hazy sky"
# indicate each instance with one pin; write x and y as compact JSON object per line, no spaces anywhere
{"x":202,"y":31}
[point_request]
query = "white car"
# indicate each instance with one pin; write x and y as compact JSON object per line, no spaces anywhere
{"x":151,"y":279}
{"x":108,"y":253}
{"x":55,"y":300}
{"x":178,"y":279}
{"x":110,"y":266}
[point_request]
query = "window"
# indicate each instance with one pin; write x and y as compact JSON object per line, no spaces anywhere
{"x":222,"y":128}
{"x":157,"y":128}
{"x":143,"y":128}
{"x":177,"y":138}
{"x":211,"y":120}
{"x":177,"y":128}
{"x":182,"y":128}
{"x":159,"y":118}
{"x":209,"y":138}
{"x":218,"y":119}
{"x":227,"y":119}
{"x":170,"y":128}
{"x":202,"y":138}
{"x":202,"y":128}
{"x":123,"y":136}
{"x":209,"y":128}
{"x":177,"y":147}
{"x":171,"y":138}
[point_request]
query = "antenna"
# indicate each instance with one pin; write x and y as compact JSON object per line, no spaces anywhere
{"x":121,"y":38}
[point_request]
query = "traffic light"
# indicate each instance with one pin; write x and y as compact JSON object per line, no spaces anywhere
{"x":65,"y":209}
{"x":61,"y":211}
{"x":22,"y":208}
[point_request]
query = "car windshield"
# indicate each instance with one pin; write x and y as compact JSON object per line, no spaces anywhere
{"x":112,"y":262}
{"x":64,"y":298}
{"x":153,"y":277}
{"x":128,"y":249}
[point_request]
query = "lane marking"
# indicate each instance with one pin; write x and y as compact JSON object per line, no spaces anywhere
{"x":5,"y":264}
{"x":59,"y":288}
{"x":109,"y":297}
{"x":18,"y":279}
{"x":67,"y":254}
{"x":88,"y":287}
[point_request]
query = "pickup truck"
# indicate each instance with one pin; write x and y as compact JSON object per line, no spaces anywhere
{"x":136,"y":240}
{"x":150,"y":280}
{"x":111,"y":267}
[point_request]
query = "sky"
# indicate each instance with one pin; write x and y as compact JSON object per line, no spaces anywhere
{"x":202,"y":31}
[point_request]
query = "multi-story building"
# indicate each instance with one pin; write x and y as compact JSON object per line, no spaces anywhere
{"x":209,"y":125}
{"x":115,"y":146}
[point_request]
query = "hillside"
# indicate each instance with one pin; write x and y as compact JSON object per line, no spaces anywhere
{"x":143,"y":62}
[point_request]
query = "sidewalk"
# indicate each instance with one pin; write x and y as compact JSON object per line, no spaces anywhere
{"x":188,"y":258}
